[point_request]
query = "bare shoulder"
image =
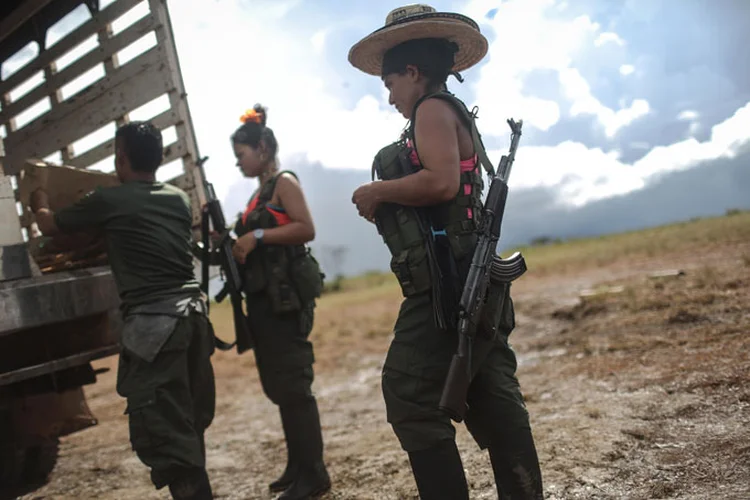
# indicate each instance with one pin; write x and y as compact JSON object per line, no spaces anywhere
{"x":287,"y":180}
{"x":436,"y":110}
{"x":288,"y":186}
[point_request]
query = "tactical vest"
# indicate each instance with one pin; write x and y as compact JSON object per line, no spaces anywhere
{"x":406,"y":230}
{"x":288,"y":274}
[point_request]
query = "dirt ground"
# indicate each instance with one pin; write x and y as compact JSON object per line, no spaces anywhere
{"x":638,"y":390}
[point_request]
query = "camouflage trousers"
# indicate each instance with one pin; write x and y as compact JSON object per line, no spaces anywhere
{"x":171,"y":400}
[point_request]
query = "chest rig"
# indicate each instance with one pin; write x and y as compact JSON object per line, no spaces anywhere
{"x":288,"y":274}
{"x":414,"y":234}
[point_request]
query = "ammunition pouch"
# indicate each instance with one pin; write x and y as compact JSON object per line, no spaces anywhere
{"x":412,"y":270}
{"x":290,"y":276}
{"x":307,"y":277}
{"x":284,"y":297}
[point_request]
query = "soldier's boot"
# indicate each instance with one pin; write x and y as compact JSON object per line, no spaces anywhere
{"x":194,"y":486}
{"x":291,"y":436}
{"x":439,"y":472}
{"x":516,"y":467}
{"x":312,"y":478}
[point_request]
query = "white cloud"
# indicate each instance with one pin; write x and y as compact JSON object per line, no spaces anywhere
{"x":687,"y":115}
{"x":253,"y":57}
{"x":627,"y":69}
{"x":529,"y":38}
{"x":581,"y":175}
{"x":318,"y":41}
{"x":690,"y":116}
{"x":609,"y":37}
{"x":579,"y":92}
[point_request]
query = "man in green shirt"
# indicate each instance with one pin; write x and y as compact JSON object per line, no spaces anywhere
{"x":165,"y":369}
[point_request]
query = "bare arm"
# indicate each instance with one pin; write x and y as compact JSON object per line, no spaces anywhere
{"x":437,"y":140}
{"x":45,"y":218}
{"x":45,"y":221}
{"x":301,"y":228}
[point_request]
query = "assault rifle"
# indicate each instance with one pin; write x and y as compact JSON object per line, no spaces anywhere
{"x":222,"y":255}
{"x":486,"y":268}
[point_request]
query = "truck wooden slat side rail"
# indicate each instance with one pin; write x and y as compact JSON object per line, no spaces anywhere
{"x":63,"y":91}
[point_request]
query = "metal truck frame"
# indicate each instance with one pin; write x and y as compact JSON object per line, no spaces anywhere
{"x":53,"y":325}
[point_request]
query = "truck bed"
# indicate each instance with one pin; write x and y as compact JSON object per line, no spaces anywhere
{"x":55,"y":298}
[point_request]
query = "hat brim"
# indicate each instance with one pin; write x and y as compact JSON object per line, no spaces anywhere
{"x":367,"y":54}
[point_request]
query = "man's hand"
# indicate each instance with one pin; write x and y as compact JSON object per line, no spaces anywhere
{"x":243,"y":246}
{"x":367,"y":198}
{"x":45,"y":218}
{"x":38,"y":200}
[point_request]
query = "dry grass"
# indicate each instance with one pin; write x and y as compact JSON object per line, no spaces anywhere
{"x":603,"y":251}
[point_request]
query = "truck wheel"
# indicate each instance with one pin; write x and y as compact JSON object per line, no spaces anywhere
{"x":12,"y":465}
{"x":20,"y":466}
{"x":40,"y":460}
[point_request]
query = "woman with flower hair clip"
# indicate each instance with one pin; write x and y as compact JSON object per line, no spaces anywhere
{"x":281,"y":281}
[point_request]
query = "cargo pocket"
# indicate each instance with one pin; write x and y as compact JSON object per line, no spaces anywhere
{"x":412,"y":270}
{"x":147,"y":427}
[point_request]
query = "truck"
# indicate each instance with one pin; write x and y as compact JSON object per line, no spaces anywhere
{"x":70,"y":72}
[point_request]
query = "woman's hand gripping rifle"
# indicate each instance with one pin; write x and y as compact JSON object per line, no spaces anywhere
{"x":486,"y":267}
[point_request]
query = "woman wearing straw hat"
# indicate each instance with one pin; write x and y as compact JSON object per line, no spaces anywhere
{"x":425,"y":207}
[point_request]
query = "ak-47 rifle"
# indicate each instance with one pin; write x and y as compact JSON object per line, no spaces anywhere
{"x":486,"y":267}
{"x":222,"y":255}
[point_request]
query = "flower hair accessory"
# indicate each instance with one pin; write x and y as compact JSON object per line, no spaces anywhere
{"x":251,"y":115}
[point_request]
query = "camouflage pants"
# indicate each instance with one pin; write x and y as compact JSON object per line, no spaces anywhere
{"x":171,"y":400}
{"x":415,"y":370}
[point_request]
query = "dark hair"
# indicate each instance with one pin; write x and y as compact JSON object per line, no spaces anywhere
{"x":142,"y":144}
{"x":253,"y":133}
{"x":434,"y":57}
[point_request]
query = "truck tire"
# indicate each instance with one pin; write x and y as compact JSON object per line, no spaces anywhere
{"x":40,"y":461}
{"x":12,"y":465}
{"x":23,"y":466}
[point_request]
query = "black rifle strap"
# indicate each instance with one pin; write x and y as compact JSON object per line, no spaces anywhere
{"x":267,"y":191}
{"x":206,"y":250}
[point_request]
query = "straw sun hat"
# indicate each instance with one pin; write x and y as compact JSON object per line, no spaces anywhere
{"x":420,"y":21}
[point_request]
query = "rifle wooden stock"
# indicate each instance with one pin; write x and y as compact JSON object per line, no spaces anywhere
{"x":453,"y":398}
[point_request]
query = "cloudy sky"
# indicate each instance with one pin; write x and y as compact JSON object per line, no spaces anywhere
{"x":612,"y":97}
{"x":629,"y":106}
{"x":636,"y":112}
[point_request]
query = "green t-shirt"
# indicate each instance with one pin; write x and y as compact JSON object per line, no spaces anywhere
{"x":147,"y":227}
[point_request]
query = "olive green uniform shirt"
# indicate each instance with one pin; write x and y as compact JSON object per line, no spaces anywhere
{"x":147,"y":227}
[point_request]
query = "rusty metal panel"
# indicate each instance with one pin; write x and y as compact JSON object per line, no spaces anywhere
{"x":56,"y":297}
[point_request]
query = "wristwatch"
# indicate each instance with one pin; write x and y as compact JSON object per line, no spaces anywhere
{"x":258,"y":233}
